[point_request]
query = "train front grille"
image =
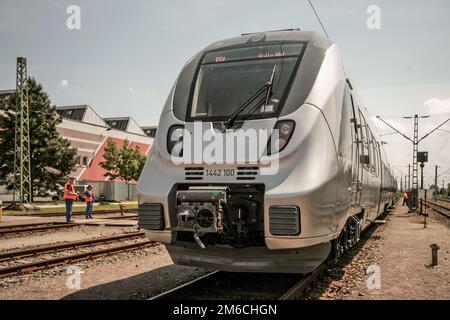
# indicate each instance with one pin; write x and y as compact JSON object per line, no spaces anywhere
{"x":194,"y":173}
{"x":151,"y":216}
{"x":247,"y":173}
{"x":284,"y":220}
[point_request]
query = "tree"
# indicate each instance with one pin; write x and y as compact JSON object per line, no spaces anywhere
{"x":52,"y":158}
{"x":125,"y":163}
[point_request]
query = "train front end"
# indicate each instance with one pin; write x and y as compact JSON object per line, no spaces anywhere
{"x":242,"y":174}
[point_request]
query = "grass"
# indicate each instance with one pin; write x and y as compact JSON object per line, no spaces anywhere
{"x":106,"y":206}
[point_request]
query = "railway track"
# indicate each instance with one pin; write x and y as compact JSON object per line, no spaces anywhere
{"x":300,"y":288}
{"x":33,"y":227}
{"x":77,"y":213}
{"x":236,"y":286}
{"x":439,"y":207}
{"x":21,"y":268}
{"x":43,"y":226}
{"x":444,"y":200}
{"x":128,"y":217}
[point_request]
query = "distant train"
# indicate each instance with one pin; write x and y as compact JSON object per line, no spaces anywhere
{"x":332,"y":180}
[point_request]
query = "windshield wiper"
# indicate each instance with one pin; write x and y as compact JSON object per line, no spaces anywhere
{"x":267,"y":88}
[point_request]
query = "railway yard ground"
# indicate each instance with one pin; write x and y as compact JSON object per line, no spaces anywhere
{"x":401,"y":249}
{"x":142,"y":270}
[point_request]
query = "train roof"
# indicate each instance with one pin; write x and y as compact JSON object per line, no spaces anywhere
{"x":314,"y":53}
{"x":278,"y":35}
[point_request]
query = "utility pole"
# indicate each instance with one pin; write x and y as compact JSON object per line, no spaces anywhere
{"x":401,"y":183}
{"x":422,"y":157}
{"x":415,"y":141}
{"x":435,"y":182}
{"x":415,"y":164}
{"x":409,"y":177}
{"x":22,"y":165}
{"x":421,"y":175}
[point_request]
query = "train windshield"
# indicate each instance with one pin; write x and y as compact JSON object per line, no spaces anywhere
{"x":227,"y":78}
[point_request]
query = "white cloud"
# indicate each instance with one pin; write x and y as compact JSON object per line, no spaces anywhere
{"x":383,"y":128}
{"x":437,"y":106}
{"x":64,"y":83}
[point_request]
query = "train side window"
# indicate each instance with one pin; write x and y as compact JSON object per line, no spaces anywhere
{"x":364,"y":141}
{"x":355,"y":118}
{"x":370,"y":149}
{"x":356,"y":145}
{"x":373,"y":155}
{"x":371,"y":146}
{"x":346,"y":134}
{"x":361,"y":131}
{"x":377,"y":159}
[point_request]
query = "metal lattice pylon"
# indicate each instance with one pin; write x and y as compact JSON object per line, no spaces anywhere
{"x":22,"y":165}
{"x":415,"y":173}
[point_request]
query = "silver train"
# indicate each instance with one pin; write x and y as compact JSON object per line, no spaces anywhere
{"x":332,"y":180}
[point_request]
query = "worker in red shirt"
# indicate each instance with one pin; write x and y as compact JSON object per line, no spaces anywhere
{"x":405,"y":198}
{"x":70,"y":195}
{"x":89,"y":198}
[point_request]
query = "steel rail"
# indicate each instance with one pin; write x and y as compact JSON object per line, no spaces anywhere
{"x":44,"y":264}
{"x":437,"y":204}
{"x":24,"y":225}
{"x":129,"y":217}
{"x":176,"y":290}
{"x":188,"y":288}
{"x":298,"y":290}
{"x":37,"y":228}
{"x":4,"y":256}
{"x":443,"y":210}
{"x":75,"y":213}
{"x":443,"y":200}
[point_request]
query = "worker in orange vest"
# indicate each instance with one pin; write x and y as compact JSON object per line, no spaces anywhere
{"x":89,"y":198}
{"x":405,"y":199}
{"x":69,"y":196}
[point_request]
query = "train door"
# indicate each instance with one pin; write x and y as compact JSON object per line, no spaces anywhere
{"x":374,"y":177}
{"x":366,"y":200}
{"x":381,"y":198}
{"x":356,"y":154}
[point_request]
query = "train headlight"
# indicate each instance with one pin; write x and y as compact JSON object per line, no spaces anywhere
{"x":279,"y":140}
{"x":175,"y":140}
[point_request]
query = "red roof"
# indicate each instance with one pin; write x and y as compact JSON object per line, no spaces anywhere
{"x":95,"y":172}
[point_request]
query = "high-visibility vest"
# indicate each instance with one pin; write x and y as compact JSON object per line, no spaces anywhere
{"x":89,"y":198}
{"x":69,"y":188}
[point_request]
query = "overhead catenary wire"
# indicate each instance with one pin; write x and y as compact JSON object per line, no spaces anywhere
{"x":443,"y":147}
{"x":443,"y":173}
{"x":398,"y":169}
{"x":318,"y":18}
{"x":439,"y":175}
{"x":437,"y":128}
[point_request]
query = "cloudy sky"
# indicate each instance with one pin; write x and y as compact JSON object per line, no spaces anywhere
{"x":126,"y":55}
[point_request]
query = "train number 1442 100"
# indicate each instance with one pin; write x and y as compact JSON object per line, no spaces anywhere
{"x":220,"y":172}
